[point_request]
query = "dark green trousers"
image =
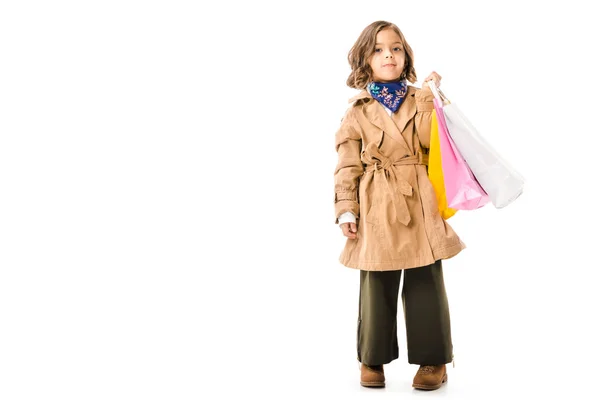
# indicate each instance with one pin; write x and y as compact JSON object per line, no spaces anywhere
{"x":426,"y":315}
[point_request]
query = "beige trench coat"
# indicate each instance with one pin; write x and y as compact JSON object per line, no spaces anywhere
{"x":381,"y":176}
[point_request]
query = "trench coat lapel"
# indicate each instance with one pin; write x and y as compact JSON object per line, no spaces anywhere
{"x":377,"y":115}
{"x":404,"y":114}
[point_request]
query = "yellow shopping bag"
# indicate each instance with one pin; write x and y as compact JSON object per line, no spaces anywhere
{"x":436,"y":175}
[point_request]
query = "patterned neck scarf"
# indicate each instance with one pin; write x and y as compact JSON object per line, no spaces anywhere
{"x":390,"y":95}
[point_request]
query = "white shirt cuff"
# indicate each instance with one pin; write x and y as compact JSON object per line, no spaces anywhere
{"x":347,"y":217}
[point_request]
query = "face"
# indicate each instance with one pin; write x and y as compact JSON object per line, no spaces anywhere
{"x":387,"y":62}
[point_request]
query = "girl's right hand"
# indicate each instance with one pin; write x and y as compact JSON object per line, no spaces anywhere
{"x":349,"y":230}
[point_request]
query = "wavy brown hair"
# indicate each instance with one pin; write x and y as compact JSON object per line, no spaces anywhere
{"x":363,"y":49}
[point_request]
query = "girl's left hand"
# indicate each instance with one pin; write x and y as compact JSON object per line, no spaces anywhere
{"x":435,"y":77}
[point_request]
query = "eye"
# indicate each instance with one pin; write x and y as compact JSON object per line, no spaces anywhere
{"x":397,"y":48}
{"x":377,"y":50}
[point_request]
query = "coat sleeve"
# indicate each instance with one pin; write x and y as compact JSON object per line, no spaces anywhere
{"x":349,"y":166}
{"x":424,"y":99}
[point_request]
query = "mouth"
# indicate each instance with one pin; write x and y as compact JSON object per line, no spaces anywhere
{"x":389,"y":65}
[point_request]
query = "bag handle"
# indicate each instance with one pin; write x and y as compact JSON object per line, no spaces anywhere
{"x":437,"y":93}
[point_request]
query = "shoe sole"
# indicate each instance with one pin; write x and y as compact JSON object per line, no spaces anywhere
{"x":372,"y":384}
{"x":429,"y":387}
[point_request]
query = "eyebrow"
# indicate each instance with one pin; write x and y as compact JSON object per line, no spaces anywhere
{"x":392,"y":43}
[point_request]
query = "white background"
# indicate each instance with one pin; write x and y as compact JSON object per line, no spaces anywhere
{"x":166,"y":198}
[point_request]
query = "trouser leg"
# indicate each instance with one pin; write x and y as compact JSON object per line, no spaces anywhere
{"x":377,"y":339}
{"x":427,"y":316}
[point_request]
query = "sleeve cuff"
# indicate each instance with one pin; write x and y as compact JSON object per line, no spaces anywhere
{"x":345,"y":206}
{"x":347,"y":217}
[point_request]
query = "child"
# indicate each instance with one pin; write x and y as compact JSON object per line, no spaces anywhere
{"x":386,"y":207}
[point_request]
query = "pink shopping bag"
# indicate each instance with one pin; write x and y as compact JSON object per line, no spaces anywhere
{"x":463,"y":192}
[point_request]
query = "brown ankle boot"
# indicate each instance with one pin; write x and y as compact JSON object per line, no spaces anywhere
{"x":430,"y":377}
{"x":372,"y":375}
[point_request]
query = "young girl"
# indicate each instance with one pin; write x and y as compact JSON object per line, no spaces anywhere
{"x":386,"y":207}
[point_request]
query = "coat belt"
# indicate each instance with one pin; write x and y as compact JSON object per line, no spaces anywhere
{"x":390,"y":188}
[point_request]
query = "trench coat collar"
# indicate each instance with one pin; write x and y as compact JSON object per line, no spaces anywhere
{"x":377,"y":115}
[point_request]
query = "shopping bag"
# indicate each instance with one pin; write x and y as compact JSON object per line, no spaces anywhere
{"x":435,"y":172}
{"x":499,"y":179}
{"x":463,"y":192}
